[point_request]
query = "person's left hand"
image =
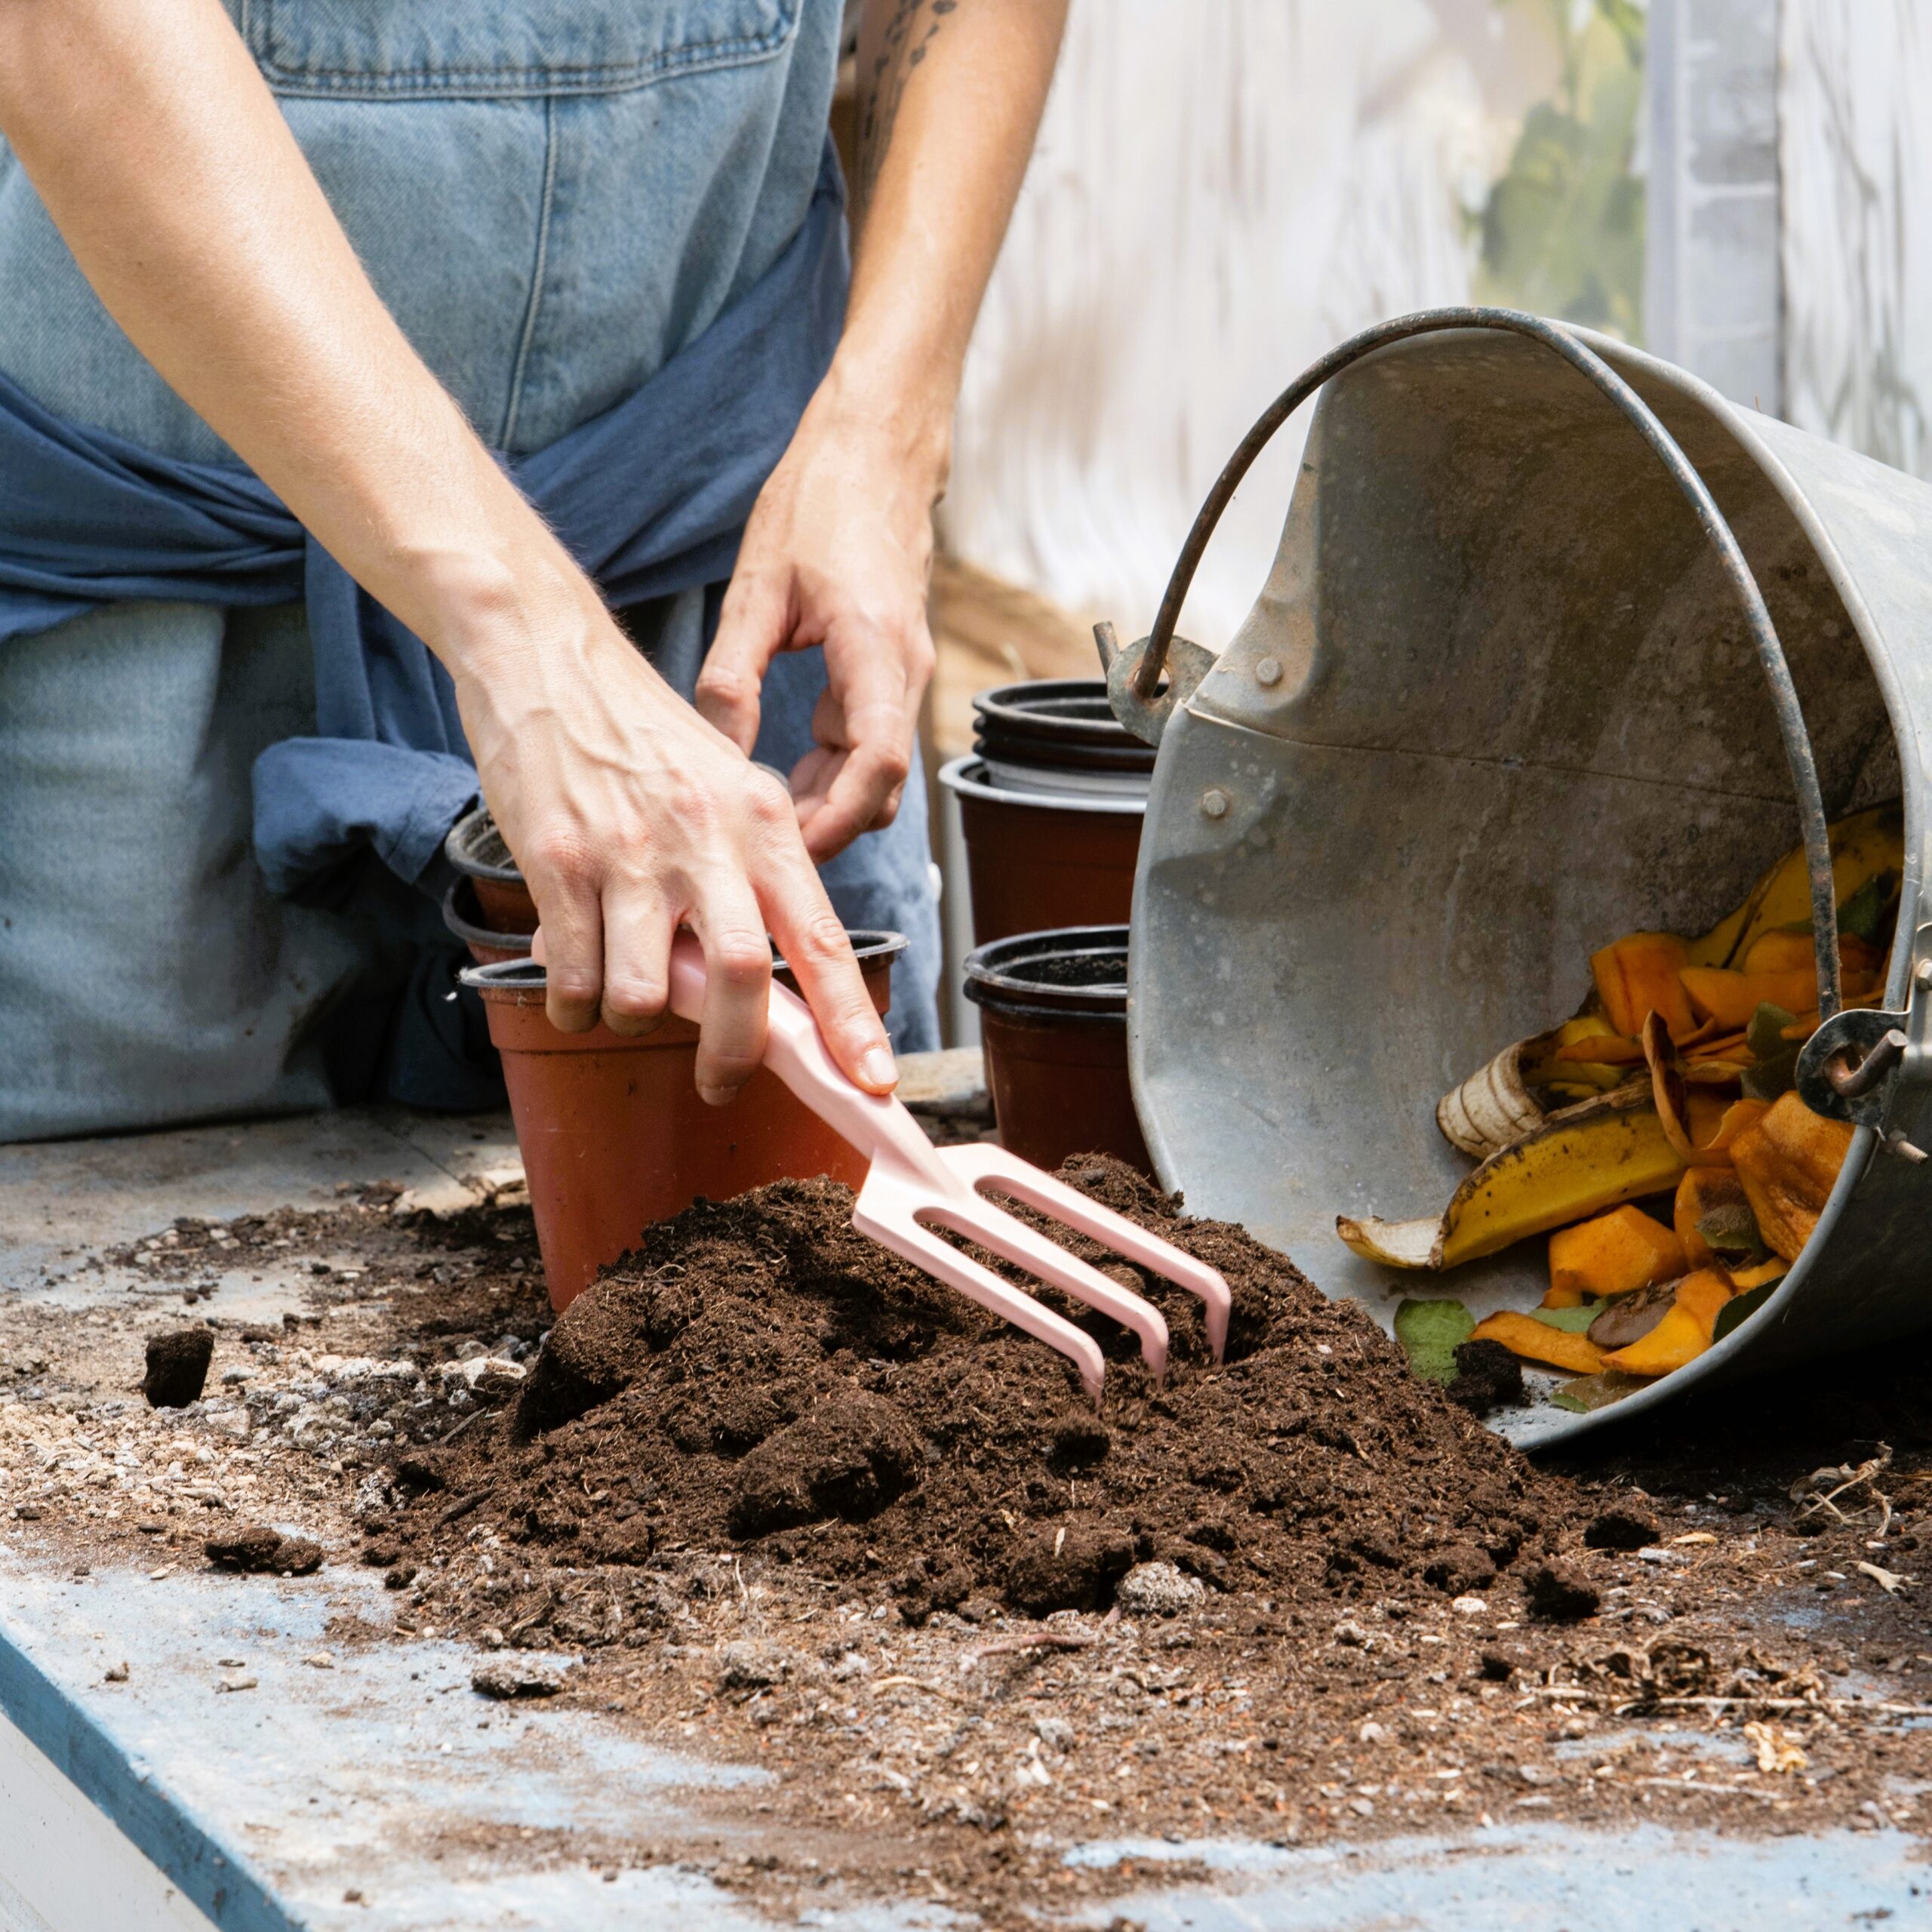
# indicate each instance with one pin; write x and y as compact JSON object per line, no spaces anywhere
{"x":836,"y":553}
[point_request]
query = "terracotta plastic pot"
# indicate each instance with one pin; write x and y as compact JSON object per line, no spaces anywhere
{"x":464,"y":917}
{"x":1035,"y":859}
{"x":475,"y":848}
{"x":613,"y":1133}
{"x":1052,"y":1015}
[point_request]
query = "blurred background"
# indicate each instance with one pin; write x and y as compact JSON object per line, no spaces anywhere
{"x":1223,"y":191}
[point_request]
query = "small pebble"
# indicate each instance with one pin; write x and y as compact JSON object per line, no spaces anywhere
{"x":1157,"y":1589}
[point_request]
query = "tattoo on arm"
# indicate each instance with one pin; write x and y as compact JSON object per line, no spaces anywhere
{"x":886,"y":65}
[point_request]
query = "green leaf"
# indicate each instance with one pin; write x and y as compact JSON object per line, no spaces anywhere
{"x":1739,"y":1309}
{"x":1770,"y":1078}
{"x":1860,"y":916}
{"x":1765,"y":1034}
{"x":1776,"y":1072}
{"x":1430,"y":1333}
{"x":1571,"y":1320}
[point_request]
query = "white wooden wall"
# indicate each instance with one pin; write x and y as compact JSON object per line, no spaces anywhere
{"x":1223,"y":189}
{"x":1855,"y":147}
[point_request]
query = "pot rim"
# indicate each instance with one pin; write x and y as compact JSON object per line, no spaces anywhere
{"x":965,"y":778}
{"x":1034,"y":723}
{"x":467,"y":930}
{"x":515,"y":980}
{"x":991,"y":980}
{"x":1006,"y":704}
{"x":456,"y":843}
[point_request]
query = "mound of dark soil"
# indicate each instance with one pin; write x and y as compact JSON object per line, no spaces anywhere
{"x":757,"y":1376}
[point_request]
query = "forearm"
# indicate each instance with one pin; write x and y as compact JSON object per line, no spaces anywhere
{"x":950,"y":99}
{"x":163,"y":159}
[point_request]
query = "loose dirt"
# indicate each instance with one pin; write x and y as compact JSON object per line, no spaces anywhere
{"x":767,"y":1495}
{"x":759,"y":1377}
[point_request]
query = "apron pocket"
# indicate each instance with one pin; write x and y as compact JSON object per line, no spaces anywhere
{"x":473,"y":50}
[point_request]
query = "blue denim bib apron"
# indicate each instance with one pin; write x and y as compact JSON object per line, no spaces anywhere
{"x":553,"y":197}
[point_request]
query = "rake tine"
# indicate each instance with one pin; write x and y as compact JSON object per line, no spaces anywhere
{"x":883,"y":1216}
{"x":990,"y":1169}
{"x":992,"y":1228}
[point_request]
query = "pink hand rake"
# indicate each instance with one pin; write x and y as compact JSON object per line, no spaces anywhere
{"x":914,"y":1188}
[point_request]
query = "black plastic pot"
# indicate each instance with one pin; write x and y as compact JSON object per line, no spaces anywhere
{"x":463,"y":913}
{"x":476,"y":848}
{"x":1055,"y":730}
{"x":1052,"y":1015}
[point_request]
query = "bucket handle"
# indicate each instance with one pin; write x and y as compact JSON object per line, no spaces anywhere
{"x":1135,"y":671}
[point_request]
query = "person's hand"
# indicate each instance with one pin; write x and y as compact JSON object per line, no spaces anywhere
{"x":836,"y":553}
{"x":629,"y":816}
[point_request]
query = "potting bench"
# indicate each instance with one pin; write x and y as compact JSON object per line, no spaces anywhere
{"x":381,"y":1793}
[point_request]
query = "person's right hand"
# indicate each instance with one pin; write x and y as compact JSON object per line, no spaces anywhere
{"x":629,"y":816}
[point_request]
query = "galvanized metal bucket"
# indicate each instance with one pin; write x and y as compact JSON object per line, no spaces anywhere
{"x":1559,"y":643}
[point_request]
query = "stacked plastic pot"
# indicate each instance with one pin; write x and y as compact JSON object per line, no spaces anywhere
{"x":1050,"y":805}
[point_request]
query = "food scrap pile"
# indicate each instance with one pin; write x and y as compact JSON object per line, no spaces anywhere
{"x":1671,"y":1087}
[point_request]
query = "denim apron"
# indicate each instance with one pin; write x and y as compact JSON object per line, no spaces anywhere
{"x":553,"y":197}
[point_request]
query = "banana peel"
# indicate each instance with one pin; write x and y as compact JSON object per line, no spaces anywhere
{"x":1579,"y":1160}
{"x":1494,"y":1107}
{"x":1863,"y":846}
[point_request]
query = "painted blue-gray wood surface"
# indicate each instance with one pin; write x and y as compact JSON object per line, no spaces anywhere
{"x":1543,"y":1878}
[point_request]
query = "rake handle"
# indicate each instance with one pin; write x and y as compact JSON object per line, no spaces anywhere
{"x":795,"y":1051}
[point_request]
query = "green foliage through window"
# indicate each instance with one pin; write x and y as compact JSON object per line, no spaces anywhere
{"x":1563,"y":229}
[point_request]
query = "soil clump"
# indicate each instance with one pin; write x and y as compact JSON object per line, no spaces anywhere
{"x":257,"y":1549}
{"x":758,"y":1377}
{"x":177,"y":1367}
